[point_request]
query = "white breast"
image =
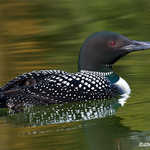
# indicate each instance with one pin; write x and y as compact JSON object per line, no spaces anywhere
{"x":125,"y":88}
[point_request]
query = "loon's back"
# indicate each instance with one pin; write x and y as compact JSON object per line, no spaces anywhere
{"x":55,"y":86}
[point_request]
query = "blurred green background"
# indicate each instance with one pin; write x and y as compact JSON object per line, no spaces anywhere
{"x":36,"y":34}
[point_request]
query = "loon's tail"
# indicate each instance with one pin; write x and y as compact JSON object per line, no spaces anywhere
{"x":2,"y":99}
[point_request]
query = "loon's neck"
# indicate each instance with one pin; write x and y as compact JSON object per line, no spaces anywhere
{"x":105,"y":68}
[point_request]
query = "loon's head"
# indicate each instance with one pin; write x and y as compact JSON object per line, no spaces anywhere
{"x":102,"y":49}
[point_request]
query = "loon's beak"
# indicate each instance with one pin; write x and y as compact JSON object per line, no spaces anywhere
{"x":136,"y":46}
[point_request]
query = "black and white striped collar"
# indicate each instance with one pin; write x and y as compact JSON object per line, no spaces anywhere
{"x":98,"y":73}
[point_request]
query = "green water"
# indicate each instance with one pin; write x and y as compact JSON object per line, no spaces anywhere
{"x":48,"y":34}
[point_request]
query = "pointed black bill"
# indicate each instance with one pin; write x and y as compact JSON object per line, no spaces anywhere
{"x":136,"y":46}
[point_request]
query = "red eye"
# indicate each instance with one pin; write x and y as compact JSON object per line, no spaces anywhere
{"x":112,"y":43}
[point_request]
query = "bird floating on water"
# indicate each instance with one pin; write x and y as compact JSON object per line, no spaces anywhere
{"x":94,"y":80}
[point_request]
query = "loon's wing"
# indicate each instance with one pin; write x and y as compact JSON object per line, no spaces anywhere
{"x":15,"y":88}
{"x":29,"y":79}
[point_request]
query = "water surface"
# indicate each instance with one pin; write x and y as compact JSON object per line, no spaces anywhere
{"x":48,"y":35}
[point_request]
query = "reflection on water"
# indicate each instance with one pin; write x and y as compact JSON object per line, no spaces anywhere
{"x":47,"y":35}
{"x":68,"y":112}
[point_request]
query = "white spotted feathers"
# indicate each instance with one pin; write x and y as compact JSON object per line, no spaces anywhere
{"x":55,"y":86}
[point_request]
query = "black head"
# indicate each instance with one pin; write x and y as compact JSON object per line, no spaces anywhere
{"x":105,"y":48}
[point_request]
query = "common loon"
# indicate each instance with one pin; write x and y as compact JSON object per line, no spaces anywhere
{"x":95,"y":79}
